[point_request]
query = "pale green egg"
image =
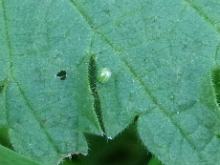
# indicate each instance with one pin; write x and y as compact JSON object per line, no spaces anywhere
{"x":104,"y":75}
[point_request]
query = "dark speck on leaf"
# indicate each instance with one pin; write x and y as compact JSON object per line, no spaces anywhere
{"x":62,"y":75}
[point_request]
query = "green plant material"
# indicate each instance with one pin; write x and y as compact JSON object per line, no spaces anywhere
{"x":46,"y":110}
{"x":4,"y":137}
{"x":162,"y":56}
{"x":9,"y":157}
{"x":154,"y":161}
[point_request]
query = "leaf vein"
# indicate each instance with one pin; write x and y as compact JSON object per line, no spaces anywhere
{"x":203,"y":15}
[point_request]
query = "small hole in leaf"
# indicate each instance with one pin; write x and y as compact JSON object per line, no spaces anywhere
{"x":62,"y":75}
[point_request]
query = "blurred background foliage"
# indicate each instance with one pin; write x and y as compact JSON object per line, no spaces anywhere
{"x":125,"y":149}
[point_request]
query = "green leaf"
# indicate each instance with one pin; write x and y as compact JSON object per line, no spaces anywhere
{"x":47,"y":114}
{"x":162,"y":57}
{"x":154,"y":161}
{"x":164,"y":63}
{"x":9,"y":157}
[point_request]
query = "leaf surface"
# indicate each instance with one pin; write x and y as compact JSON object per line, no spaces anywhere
{"x":9,"y":157}
{"x":47,"y":116}
{"x":161,"y":54}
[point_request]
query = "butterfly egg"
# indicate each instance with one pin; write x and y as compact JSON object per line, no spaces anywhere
{"x":104,"y":75}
